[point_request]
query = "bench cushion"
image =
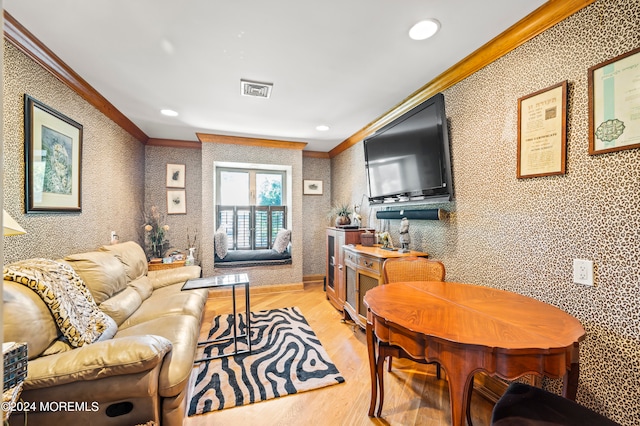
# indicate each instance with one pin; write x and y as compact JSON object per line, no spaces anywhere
{"x":236,"y":258}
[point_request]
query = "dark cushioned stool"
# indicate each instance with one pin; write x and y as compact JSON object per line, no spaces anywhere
{"x":524,"y":405}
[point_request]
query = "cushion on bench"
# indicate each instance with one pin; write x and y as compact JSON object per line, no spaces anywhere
{"x":237,"y":258}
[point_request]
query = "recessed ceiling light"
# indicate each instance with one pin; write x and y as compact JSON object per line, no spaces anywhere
{"x":322,"y":128}
{"x":424,"y":29}
{"x":169,"y":112}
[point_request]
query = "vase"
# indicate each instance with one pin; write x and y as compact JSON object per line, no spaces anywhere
{"x":342,"y":220}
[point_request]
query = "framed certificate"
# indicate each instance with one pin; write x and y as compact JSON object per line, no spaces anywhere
{"x":614,"y":104}
{"x":542,"y":132}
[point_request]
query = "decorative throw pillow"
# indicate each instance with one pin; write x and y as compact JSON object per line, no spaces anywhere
{"x":282,"y":240}
{"x":220,"y":242}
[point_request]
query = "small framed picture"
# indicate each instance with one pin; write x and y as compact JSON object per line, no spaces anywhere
{"x":176,"y":202}
{"x":312,"y":187}
{"x":175,"y":175}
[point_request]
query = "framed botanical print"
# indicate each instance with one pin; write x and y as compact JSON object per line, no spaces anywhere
{"x":312,"y":187}
{"x":53,"y":158}
{"x":175,"y":175}
{"x":176,"y":202}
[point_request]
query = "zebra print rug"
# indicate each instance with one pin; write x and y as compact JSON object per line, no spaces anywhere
{"x":286,"y":358}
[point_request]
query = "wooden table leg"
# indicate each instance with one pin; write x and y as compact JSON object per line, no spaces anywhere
{"x":371,"y":348}
{"x":382,"y":354}
{"x":460,"y":377}
{"x":570,"y":382}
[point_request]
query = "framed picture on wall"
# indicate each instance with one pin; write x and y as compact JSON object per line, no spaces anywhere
{"x":614,"y":104}
{"x":312,"y":187}
{"x":542,"y":132}
{"x":175,"y":175}
{"x":53,"y":157}
{"x":176,"y":202}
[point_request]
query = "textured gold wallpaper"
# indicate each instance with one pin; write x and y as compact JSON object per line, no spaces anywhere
{"x":522,"y":235}
{"x":156,"y":160}
{"x":315,"y":209}
{"x":112,"y":169}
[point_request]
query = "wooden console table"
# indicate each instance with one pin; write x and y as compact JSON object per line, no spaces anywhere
{"x":158,"y":266}
{"x":363,"y":272}
{"x":469,"y":328}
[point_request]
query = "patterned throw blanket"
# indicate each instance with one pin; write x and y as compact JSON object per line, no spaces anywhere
{"x":65,"y":294}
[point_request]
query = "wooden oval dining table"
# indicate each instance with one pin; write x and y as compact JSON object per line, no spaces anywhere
{"x":466,"y":329}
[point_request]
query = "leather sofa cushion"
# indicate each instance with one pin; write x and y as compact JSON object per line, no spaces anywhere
{"x":132,"y":257}
{"x":122,"y":305}
{"x":183,"y":332}
{"x":143,"y":287}
{"x":165,"y":277}
{"x":168,"y":301}
{"x":27,"y":319}
{"x":103,"y":274}
{"x":111,"y":357}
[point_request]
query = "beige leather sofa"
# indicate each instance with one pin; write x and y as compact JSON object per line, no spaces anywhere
{"x":139,"y":375}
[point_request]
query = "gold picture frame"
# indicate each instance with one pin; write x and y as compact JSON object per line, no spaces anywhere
{"x":53,"y":160}
{"x":542,"y":132}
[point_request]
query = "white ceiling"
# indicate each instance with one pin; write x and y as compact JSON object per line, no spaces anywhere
{"x":341,"y":63}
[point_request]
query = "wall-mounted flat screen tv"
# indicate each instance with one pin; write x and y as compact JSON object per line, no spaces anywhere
{"x":408,"y":159}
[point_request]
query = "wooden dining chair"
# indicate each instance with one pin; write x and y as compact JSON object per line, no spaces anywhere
{"x":413,"y":268}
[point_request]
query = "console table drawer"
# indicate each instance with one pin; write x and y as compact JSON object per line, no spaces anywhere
{"x":371,"y":263}
{"x":351,"y":258}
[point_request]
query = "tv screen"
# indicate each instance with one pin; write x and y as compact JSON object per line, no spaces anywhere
{"x":409,"y":158}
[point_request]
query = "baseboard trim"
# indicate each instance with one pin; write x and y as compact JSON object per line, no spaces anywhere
{"x":263,"y":289}
{"x":313,"y":278}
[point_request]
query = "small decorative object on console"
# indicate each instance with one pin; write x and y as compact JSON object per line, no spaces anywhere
{"x":15,"y":363}
{"x":405,"y":238}
{"x":367,"y":239}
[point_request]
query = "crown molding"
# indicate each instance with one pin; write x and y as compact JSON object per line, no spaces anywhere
{"x":237,"y":140}
{"x":174,"y":143}
{"x":538,"y":21}
{"x":315,"y":154}
{"x":27,"y":43}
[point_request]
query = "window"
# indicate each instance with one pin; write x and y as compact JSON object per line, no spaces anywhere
{"x":251,"y":206}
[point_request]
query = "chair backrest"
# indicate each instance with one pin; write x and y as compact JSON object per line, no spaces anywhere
{"x":412,"y":269}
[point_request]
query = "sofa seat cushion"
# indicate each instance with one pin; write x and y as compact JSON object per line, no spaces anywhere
{"x":111,"y":357}
{"x":183,"y":332}
{"x":165,"y":277}
{"x":168,"y":301}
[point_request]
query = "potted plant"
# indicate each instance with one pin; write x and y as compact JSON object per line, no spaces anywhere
{"x":342,"y":212}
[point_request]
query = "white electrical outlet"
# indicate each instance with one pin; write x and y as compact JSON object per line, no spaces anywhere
{"x":583,"y":271}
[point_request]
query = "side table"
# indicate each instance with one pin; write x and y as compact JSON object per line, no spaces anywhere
{"x":232,"y":280}
{"x":160,"y":266}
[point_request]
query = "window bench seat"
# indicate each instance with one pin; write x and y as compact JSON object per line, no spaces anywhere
{"x":242,"y":258}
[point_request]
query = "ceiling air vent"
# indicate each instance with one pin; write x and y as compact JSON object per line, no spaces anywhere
{"x":255,"y":89}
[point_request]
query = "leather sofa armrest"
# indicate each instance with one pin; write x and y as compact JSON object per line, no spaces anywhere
{"x":165,"y":277}
{"x":114,"y":357}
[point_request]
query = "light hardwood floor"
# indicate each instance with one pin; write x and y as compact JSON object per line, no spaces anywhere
{"x":413,"y":395}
